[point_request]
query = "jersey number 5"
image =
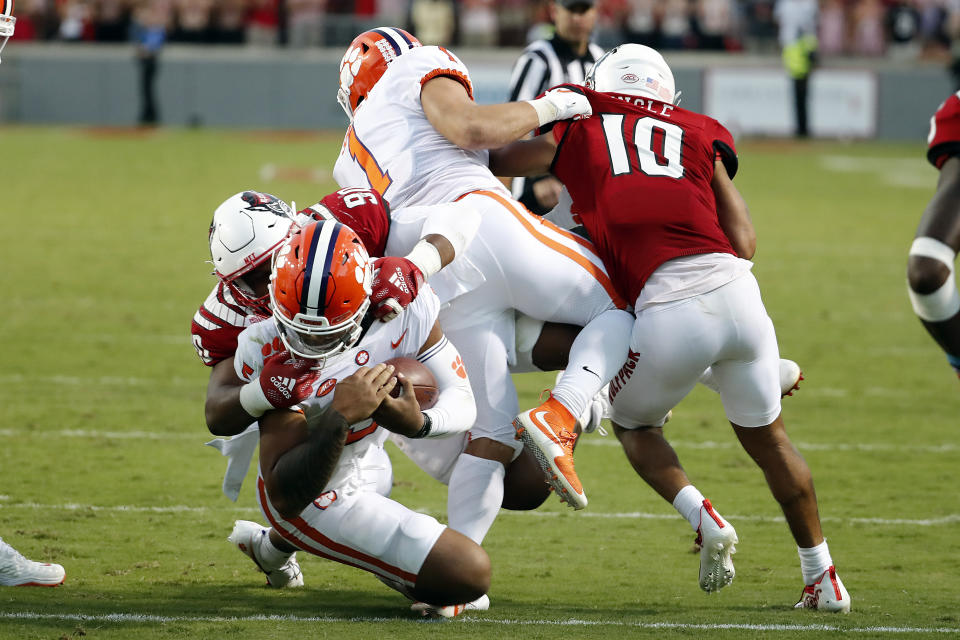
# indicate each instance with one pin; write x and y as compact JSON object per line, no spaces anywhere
{"x":659,"y":145}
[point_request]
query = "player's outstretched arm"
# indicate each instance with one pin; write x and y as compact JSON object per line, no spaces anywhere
{"x":524,"y":157}
{"x":733,"y":213}
{"x":469,"y":125}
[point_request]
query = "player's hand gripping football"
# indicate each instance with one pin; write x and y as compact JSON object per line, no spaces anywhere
{"x":357,"y":396}
{"x":396,"y":282}
{"x":568,"y":104}
{"x":284,"y":381}
{"x":400,"y":414}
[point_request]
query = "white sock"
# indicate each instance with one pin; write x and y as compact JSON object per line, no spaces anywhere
{"x":688,"y":502}
{"x":269,"y":556}
{"x":595,"y":357}
{"x":474,"y":496}
{"x":814,"y":561}
{"x":707,"y":380}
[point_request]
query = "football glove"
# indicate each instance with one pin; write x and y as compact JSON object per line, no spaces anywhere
{"x":561,"y":104}
{"x":396,"y":282}
{"x":284,"y":381}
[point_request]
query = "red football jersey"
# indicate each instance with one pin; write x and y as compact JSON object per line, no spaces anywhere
{"x":364,"y":211}
{"x":944,"y":138}
{"x":217,"y":323}
{"x":639,"y":173}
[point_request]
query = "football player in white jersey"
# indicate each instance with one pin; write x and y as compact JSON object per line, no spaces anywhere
{"x":417,"y":137}
{"x":323,"y":474}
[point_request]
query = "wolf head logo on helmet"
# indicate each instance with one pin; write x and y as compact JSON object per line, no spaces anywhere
{"x":320,"y":289}
{"x":633,"y":69}
{"x":366,"y":61}
{"x":7,"y":22}
{"x":245,"y":231}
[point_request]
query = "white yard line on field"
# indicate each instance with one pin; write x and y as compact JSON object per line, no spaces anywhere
{"x":570,"y":622}
{"x":590,"y":441}
{"x":947,"y":519}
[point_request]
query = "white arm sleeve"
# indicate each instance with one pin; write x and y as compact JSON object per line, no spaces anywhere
{"x":455,"y":410}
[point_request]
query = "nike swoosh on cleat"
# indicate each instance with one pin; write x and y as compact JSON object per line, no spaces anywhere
{"x":546,"y":428}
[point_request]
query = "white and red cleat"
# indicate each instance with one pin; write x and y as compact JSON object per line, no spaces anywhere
{"x":18,"y":571}
{"x":549,"y":432}
{"x":245,"y":537}
{"x":716,"y":539}
{"x":450,"y":611}
{"x":790,"y":377}
{"x":826,"y":594}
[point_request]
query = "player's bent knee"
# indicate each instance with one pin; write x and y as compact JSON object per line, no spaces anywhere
{"x":932,"y":285}
{"x":456,"y":571}
{"x":523,"y":485}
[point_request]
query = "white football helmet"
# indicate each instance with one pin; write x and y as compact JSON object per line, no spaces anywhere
{"x":245,"y":231}
{"x":7,"y":22}
{"x":634,"y":69}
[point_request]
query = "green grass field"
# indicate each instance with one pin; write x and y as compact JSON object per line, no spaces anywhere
{"x":101,"y":419}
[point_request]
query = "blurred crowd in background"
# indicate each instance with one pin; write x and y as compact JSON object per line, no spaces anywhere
{"x":901,"y":28}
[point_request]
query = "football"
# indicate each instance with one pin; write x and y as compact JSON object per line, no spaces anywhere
{"x":424,"y":384}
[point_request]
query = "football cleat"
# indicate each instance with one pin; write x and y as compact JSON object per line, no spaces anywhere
{"x":790,"y":377}
{"x":246,"y":536}
{"x":450,"y":611}
{"x":548,"y":431}
{"x":715,"y":537}
{"x":18,"y":571}
{"x":826,"y":594}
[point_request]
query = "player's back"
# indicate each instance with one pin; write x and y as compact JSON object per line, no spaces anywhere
{"x":639,"y":172}
{"x":392,"y":147}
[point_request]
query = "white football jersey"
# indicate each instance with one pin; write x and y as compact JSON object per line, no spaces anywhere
{"x":402,"y":337}
{"x":392,"y":147}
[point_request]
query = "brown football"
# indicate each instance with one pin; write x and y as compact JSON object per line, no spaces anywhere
{"x":424,"y":384}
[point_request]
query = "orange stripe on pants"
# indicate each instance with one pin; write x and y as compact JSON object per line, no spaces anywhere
{"x":598,"y":273}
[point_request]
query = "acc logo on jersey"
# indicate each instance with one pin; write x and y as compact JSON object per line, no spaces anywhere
{"x":363,"y":357}
{"x":630,"y":78}
{"x":326,"y":387}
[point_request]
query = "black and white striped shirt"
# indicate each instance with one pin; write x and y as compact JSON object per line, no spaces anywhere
{"x":544,"y":64}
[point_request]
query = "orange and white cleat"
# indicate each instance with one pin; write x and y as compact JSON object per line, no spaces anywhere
{"x":450,"y":611}
{"x":548,"y":431}
{"x":826,"y":594}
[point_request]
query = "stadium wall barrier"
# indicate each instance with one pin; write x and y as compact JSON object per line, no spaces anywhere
{"x":248,"y":87}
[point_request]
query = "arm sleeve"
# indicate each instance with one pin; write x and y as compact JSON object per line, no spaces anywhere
{"x":455,"y":410}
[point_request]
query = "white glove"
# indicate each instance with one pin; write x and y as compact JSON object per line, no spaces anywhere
{"x":561,"y":104}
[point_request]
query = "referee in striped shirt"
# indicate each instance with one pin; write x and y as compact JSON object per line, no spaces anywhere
{"x":566,"y":57}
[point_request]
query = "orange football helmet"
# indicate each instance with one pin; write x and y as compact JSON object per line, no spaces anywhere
{"x":320,"y":289}
{"x":365,"y":62}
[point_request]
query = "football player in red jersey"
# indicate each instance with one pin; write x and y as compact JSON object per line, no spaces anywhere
{"x":652,"y":184}
{"x":932,"y":285}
